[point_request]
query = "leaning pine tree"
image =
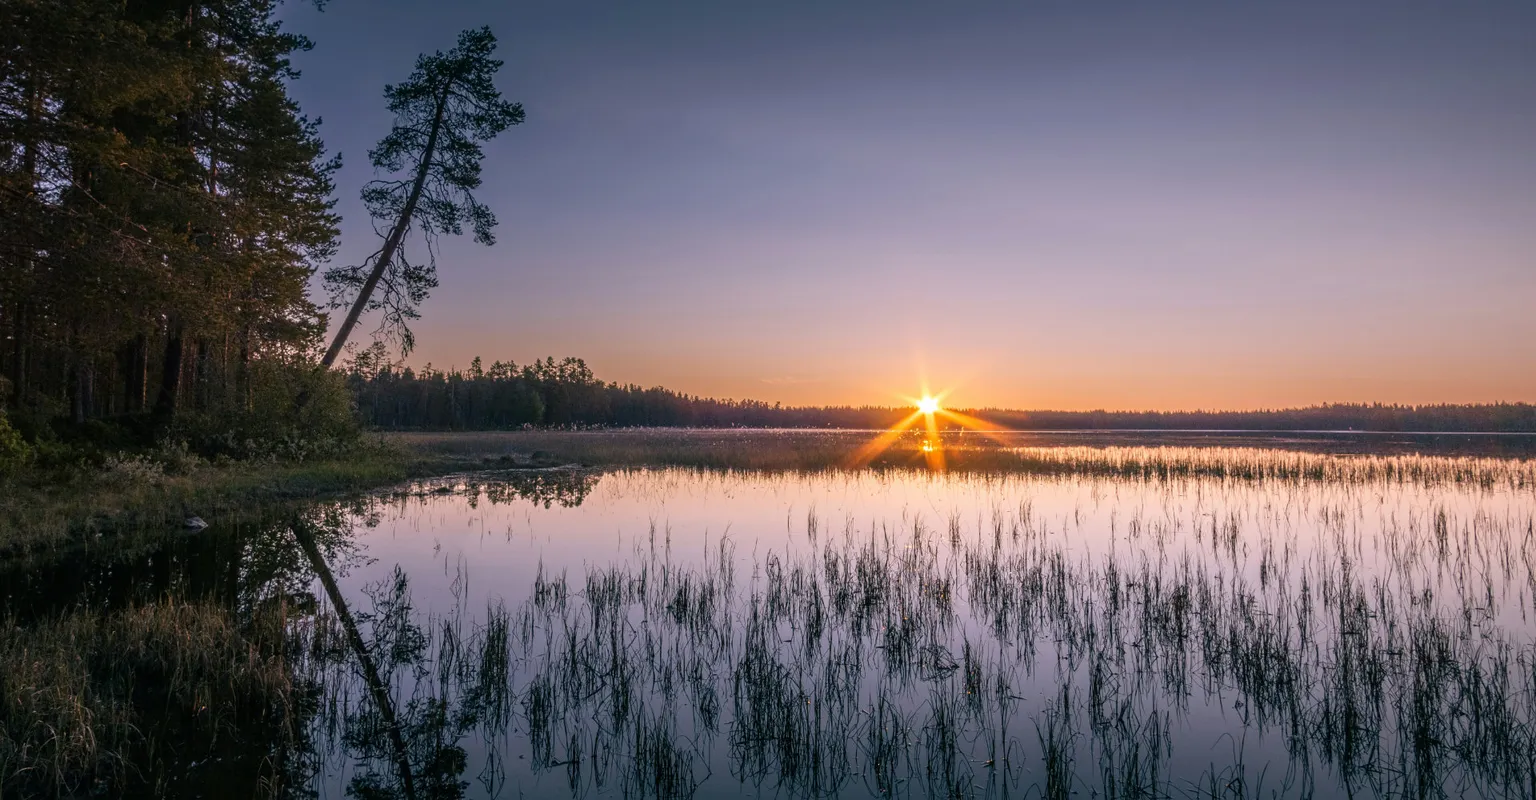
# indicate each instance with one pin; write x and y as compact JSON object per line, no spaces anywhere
{"x":447,"y":107}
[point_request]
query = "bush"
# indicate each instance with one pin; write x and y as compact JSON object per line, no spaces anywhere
{"x":125,"y":469}
{"x":295,"y":414}
{"x":14,"y":452}
{"x":292,"y":413}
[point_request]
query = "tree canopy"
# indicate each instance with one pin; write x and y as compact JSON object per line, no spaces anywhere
{"x":163,"y":204}
{"x":443,"y":111}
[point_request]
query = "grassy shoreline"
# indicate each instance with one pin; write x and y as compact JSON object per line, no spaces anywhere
{"x":53,"y":512}
{"x":89,"y":699}
{"x":1126,"y":457}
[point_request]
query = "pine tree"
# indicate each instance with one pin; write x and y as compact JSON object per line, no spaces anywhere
{"x":443,"y":111}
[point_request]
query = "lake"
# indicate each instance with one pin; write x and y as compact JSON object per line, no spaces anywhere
{"x":1132,"y":621}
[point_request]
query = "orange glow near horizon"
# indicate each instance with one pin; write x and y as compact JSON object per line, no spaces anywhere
{"x":883,"y":442}
{"x":981,"y":426}
{"x":933,"y":446}
{"x":928,"y":410}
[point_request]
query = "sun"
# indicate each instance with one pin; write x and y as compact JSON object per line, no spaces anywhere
{"x":928,"y":415}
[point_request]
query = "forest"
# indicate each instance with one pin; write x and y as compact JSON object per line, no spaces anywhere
{"x":166,"y":209}
{"x":163,"y":205}
{"x":566,"y":393}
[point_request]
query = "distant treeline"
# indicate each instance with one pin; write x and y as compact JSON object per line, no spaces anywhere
{"x":1502,"y":417}
{"x":555,"y":393}
{"x":566,"y":393}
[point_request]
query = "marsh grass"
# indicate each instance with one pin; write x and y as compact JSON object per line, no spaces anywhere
{"x":1254,"y":464}
{"x":726,"y":449}
{"x":993,"y":657}
{"x":831,"y":450}
{"x":120,"y":703}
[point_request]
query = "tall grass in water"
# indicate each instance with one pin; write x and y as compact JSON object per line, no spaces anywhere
{"x":1242,"y":633}
{"x":1206,"y":652}
{"x":968,"y":452}
{"x":1248,"y":463}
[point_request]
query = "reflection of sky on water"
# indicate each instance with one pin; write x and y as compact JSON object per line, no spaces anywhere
{"x":502,"y":543}
{"x":463,"y":552}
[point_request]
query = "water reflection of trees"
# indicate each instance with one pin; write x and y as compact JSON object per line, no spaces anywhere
{"x":547,"y":488}
{"x":426,"y":683}
{"x":257,"y":576}
{"x":565,"y":488}
{"x":393,"y":693}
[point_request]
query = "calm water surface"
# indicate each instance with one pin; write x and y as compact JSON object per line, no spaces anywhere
{"x":666,"y":632}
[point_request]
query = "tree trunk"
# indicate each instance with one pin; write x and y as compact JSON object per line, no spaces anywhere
{"x":202,"y":375}
{"x":19,"y":356}
{"x":135,"y":379}
{"x":88,"y":389}
{"x":226,"y":377}
{"x":243,"y":379}
{"x":77,"y":393}
{"x":365,"y":663}
{"x":29,"y":157}
{"x":392,"y":243}
{"x":170,"y":376}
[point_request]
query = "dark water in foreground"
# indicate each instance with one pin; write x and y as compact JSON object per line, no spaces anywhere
{"x":1366,"y":631}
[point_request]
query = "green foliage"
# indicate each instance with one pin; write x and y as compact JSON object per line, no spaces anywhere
{"x":454,"y":97}
{"x":276,"y":425}
{"x":122,"y":451}
{"x":14,"y":451}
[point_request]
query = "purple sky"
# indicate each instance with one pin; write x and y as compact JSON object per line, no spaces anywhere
{"x":1171,"y":206}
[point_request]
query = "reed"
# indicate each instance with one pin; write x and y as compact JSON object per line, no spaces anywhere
{"x":119,"y":702}
{"x":964,"y":453}
{"x":896,"y":659}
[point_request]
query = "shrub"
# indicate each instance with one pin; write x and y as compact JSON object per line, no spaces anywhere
{"x":294,"y":414}
{"x":14,"y":452}
{"x":125,"y":469}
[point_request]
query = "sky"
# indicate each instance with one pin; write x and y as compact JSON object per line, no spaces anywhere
{"x":1031,"y":205}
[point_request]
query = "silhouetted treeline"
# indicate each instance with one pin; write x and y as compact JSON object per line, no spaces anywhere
{"x":1508,"y":417}
{"x":553,"y":393}
{"x":566,"y":393}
